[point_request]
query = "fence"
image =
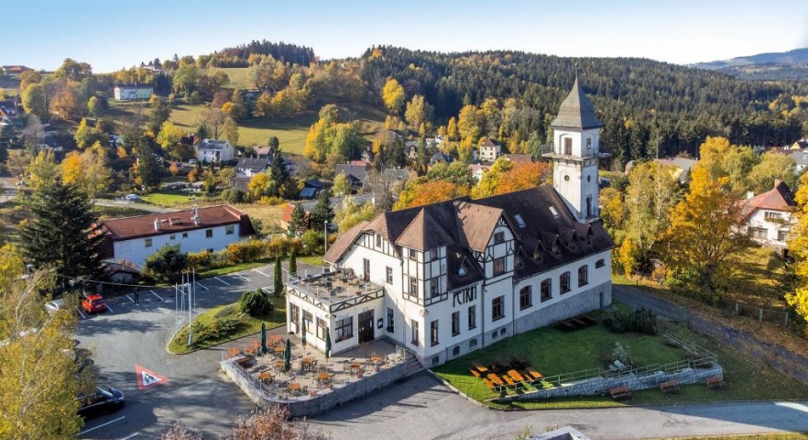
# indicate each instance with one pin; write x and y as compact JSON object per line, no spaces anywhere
{"x":778,"y":316}
{"x":701,"y":357}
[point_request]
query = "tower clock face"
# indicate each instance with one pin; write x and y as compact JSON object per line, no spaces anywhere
{"x":567,"y":178}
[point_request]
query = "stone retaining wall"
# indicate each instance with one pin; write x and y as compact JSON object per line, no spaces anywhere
{"x":600,"y":385}
{"x":326,"y":398}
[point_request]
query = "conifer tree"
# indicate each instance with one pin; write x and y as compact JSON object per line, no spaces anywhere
{"x":298,"y":223}
{"x":322,"y":211}
{"x":293,"y":262}
{"x":278,"y":284}
{"x":62,"y":232}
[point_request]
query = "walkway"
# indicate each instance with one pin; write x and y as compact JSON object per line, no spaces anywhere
{"x":422,"y":408}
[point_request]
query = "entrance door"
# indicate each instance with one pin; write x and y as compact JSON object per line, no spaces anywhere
{"x":366,"y":271}
{"x":365,"y":326}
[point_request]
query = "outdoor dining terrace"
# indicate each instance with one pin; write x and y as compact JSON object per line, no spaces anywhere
{"x":309,"y":382}
{"x":333,"y":290}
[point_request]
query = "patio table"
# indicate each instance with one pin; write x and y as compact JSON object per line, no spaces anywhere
{"x":495,"y":378}
{"x":516,"y":376}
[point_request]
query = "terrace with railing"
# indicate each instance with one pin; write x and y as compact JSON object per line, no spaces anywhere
{"x":333,"y":291}
{"x":549,"y":152}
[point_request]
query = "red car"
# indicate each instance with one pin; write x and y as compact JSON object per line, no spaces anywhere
{"x":93,"y":303}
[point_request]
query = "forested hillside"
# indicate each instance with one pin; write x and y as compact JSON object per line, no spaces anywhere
{"x":642,"y":103}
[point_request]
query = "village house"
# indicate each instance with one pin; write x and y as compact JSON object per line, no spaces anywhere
{"x":451,"y":277}
{"x":15,"y":70}
{"x":489,"y":150}
{"x":769,"y":216}
{"x":246,"y":168}
{"x":215,"y":151}
{"x":133,"y":239}
{"x":478,"y":170}
{"x":132,"y":92}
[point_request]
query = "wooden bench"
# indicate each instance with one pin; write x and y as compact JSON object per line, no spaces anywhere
{"x":475,"y":373}
{"x":715,"y":382}
{"x":244,"y":361}
{"x":489,"y":384}
{"x":670,"y":386}
{"x":620,"y":393}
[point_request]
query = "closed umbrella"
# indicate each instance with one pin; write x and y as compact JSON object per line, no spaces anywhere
{"x":264,"y":338}
{"x":287,"y":356}
{"x":303,"y":336}
{"x":327,"y":346}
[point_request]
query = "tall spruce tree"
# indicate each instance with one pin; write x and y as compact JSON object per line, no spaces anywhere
{"x":148,"y":166}
{"x":62,"y":232}
{"x":278,"y":171}
{"x":298,"y":223}
{"x":322,"y":211}
{"x":293,"y":263}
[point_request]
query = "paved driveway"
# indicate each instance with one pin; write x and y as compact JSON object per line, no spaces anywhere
{"x":195,"y":394}
{"x":422,"y":408}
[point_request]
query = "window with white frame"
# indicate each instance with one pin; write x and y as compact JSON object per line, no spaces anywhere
{"x":413,"y":286}
{"x":565,"y":282}
{"x":498,"y":308}
{"x":389,"y":275}
{"x":229,"y":229}
{"x":770,"y":215}
{"x":433,"y":333}
{"x":148,"y":242}
{"x":525,"y":297}
{"x":321,"y":328}
{"x":472,"y":317}
{"x":455,"y":323}
{"x":414,"y":325}
{"x":583,"y":275}
{"x":500,"y":266}
{"x":546,"y":290}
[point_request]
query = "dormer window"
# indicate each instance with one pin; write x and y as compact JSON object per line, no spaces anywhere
{"x":519,"y":221}
{"x":413,"y":254}
{"x":499,"y":237}
{"x":378,"y":240}
{"x":588,"y":143}
{"x":568,"y":146}
{"x":462,"y":271}
{"x":553,"y":211}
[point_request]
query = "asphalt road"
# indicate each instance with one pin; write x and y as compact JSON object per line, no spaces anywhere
{"x":195,"y":393}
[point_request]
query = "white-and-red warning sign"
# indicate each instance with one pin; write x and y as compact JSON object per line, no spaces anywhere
{"x":146,"y":378}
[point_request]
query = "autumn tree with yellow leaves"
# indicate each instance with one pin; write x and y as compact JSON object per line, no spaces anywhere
{"x":798,"y":246}
{"x":706,"y":231}
{"x":393,"y":95}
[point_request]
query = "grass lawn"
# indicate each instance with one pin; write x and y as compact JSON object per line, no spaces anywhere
{"x":108,"y":212}
{"x":172,"y":199}
{"x":553,"y":352}
{"x":756,"y":278}
{"x":248,"y":325}
{"x":233,"y":268}
{"x":314,"y":260}
{"x":266,"y":218}
{"x":239,"y":76}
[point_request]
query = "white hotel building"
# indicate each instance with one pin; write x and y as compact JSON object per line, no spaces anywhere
{"x":447,"y":278}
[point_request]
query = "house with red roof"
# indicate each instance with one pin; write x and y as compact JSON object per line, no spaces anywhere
{"x":770,"y":217}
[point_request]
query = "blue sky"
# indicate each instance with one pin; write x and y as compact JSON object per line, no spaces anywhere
{"x":111,"y":34}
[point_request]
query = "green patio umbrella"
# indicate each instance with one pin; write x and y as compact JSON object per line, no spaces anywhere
{"x":303,"y":335}
{"x":327,"y":345}
{"x":264,"y":338}
{"x":287,"y":356}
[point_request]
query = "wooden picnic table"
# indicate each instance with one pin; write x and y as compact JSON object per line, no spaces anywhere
{"x":509,"y":381}
{"x":280,"y":349}
{"x":375,"y":358}
{"x":480,"y":367}
{"x":496,"y":379}
{"x":280,"y":364}
{"x":234,"y":351}
{"x":534,"y":374}
{"x":308,"y":363}
{"x":355,"y":366}
{"x":516,"y":376}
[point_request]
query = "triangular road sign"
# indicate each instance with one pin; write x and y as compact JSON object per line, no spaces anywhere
{"x":146,"y":378}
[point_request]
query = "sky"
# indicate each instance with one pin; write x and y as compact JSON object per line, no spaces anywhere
{"x":110,"y":34}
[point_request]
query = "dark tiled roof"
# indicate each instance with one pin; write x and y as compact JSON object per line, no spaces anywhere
{"x":254,"y":164}
{"x":779,"y":198}
{"x":212,"y":144}
{"x":576,"y":111}
{"x":172,"y":222}
{"x":344,"y":242}
{"x":488,"y":143}
{"x":550,"y":237}
{"x":358,"y":171}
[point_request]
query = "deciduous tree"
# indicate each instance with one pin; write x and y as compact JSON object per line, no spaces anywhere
{"x":231,"y":131}
{"x":34,"y":101}
{"x":798,"y":246}
{"x":393,"y":95}
{"x":342,"y":187}
{"x":706,"y":229}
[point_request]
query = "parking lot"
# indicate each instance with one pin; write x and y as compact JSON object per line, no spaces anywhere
{"x":130,"y":339}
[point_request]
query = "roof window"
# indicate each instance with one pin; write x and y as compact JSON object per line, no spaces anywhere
{"x":519,"y":221}
{"x":462,"y":271}
{"x":553,"y":211}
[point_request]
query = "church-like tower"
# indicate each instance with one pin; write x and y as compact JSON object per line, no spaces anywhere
{"x":576,"y":153}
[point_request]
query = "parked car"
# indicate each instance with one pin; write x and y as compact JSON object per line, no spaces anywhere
{"x":55,"y":305}
{"x":103,"y":400}
{"x":93,"y":303}
{"x":131,"y":197}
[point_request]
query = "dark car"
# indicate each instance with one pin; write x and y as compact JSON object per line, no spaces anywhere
{"x":103,"y":400}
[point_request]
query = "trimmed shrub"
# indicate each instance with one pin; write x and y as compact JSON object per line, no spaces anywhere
{"x":200,"y":260}
{"x":243,"y":251}
{"x":255,"y":303}
{"x":233,"y":195}
{"x":639,"y":321}
{"x":166,"y":265}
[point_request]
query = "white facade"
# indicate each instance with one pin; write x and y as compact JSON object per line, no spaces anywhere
{"x":490,"y":153}
{"x":215,"y":238}
{"x":215,"y":151}
{"x":771,"y":228}
{"x":132,"y":93}
{"x":575,"y":170}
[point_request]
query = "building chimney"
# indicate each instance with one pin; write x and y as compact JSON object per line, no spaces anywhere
{"x":777,"y":182}
{"x":156,"y":225}
{"x":750,"y":194}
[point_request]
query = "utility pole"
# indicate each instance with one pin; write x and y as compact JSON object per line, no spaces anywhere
{"x":325,"y":235}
